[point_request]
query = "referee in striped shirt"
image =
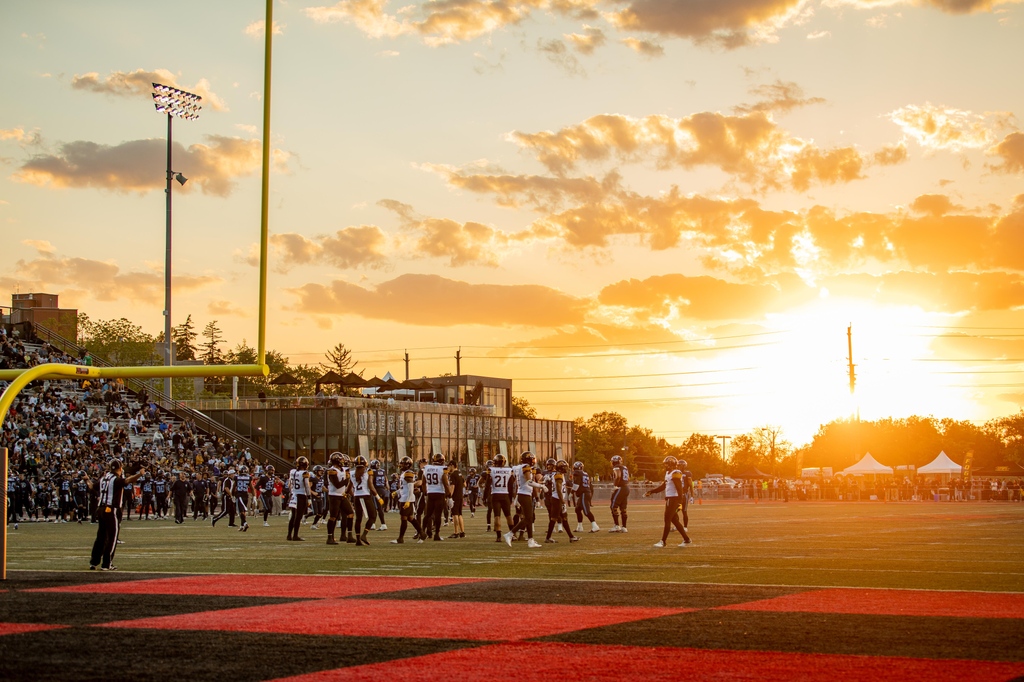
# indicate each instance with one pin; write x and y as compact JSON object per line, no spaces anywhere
{"x":111,"y":492}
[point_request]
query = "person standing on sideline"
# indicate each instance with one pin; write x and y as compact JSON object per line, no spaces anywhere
{"x":179,"y":491}
{"x":620,"y":494}
{"x":111,"y":493}
{"x":675,"y":498}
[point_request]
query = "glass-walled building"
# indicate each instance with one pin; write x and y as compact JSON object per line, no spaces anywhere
{"x":391,"y":429}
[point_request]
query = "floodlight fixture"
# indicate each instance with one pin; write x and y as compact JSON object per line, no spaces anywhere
{"x":184,"y":105}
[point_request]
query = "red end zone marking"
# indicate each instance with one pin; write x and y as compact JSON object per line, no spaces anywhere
{"x":380,"y":617}
{"x":893,"y":603}
{"x":542,"y":662}
{"x":18,"y":628}
{"x":310,"y":586}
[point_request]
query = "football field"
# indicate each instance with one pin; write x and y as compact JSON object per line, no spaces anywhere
{"x":766,"y":591}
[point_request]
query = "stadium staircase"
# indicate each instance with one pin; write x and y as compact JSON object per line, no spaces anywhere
{"x":175,"y":410}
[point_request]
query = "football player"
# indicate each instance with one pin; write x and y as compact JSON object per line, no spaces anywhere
{"x":316,"y":499}
{"x":620,"y":494}
{"x":523,"y":473}
{"x":298,"y":483}
{"x":457,"y":488}
{"x":485,"y":486}
{"x":674,"y":499}
{"x":266,"y":488}
{"x":554,"y":497}
{"x":406,"y":497}
{"x":365,"y":499}
{"x":499,"y":484}
{"x":436,"y":483}
{"x":338,"y":505}
{"x":242,"y":486}
{"x":227,"y":497}
{"x":583,"y":492}
{"x":380,"y":481}
{"x":473,"y":490}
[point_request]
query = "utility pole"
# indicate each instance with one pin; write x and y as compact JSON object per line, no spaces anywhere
{"x":723,"y":439}
{"x":406,"y":365}
{"x":458,"y":362}
{"x":853,"y":375}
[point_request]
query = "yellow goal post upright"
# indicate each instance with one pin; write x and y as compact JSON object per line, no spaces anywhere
{"x":20,"y":378}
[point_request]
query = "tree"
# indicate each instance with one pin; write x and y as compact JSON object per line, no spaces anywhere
{"x":184,"y":338}
{"x":703,"y":455}
{"x":244,"y":354}
{"x":212,"y":354}
{"x":773,"y":446}
{"x":119,"y":342}
{"x":339,"y":359}
{"x":522,"y":409}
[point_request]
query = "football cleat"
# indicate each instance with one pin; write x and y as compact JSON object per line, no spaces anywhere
{"x":532,"y":543}
{"x":684,"y":544}
{"x":579,"y":527}
{"x":594,"y":527}
{"x":623,"y":529}
{"x":659,"y":543}
{"x":574,"y":539}
{"x":508,"y":538}
{"x":399,"y":541}
{"x":615,"y":529}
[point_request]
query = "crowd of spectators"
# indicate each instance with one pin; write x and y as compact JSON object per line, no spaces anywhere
{"x":61,"y":434}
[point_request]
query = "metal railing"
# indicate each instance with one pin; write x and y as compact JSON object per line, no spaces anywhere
{"x":278,"y":402}
{"x":177,"y":408}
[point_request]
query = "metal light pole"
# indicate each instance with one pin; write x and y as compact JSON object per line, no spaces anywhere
{"x":185,"y":105}
{"x":723,"y":439}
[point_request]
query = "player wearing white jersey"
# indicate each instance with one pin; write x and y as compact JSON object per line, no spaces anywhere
{"x":499,"y":479}
{"x":365,"y":499}
{"x":523,"y":473}
{"x":674,"y":491}
{"x":338,"y":505}
{"x":435,"y":480}
{"x":406,"y":498}
{"x":298,"y":483}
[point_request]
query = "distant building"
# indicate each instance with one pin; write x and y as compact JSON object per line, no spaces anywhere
{"x":43,"y":310}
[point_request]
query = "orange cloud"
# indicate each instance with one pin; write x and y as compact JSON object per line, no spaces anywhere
{"x":726,"y":23}
{"x":750,"y":147}
{"x":950,"y":129}
{"x":780,"y":96}
{"x":139,"y":83}
{"x":104,"y":280}
{"x":701,"y":298}
{"x":644,"y":48}
{"x":589,"y":40}
{"x":138,"y":165}
{"x":434,"y":301}
{"x":351,"y":247}
{"x":947,"y":6}
{"x":462,"y":244}
{"x":442,"y":23}
{"x":1011,"y":151}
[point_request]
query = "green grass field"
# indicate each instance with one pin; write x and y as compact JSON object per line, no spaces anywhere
{"x":971,"y":546}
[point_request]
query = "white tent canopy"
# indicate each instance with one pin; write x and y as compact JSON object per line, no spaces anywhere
{"x":867,"y":465}
{"x":941,"y":465}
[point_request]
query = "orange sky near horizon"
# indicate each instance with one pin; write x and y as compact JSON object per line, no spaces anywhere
{"x":668,"y":209}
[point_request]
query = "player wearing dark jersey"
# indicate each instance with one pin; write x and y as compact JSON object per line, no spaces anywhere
{"x":380,"y":481}
{"x":458,"y":484}
{"x":620,"y":494}
{"x":199,"y":493}
{"x":472,"y":490}
{"x":243,"y":484}
{"x":180,"y":489}
{"x":147,"y":497}
{"x":81,"y":491}
{"x":266,"y":491}
{"x":675,"y":493}
{"x":485,"y":490}
{"x":227,"y":496}
{"x":555,"y":498}
{"x":317,"y":489}
{"x":338,"y":504}
{"x":111,"y":497}
{"x":583,"y":494}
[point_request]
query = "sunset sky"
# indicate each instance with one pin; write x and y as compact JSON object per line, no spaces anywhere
{"x":672,"y":209}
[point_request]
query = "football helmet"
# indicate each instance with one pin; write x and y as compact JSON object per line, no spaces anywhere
{"x":438,"y":458}
{"x":375,"y":464}
{"x":550,"y":464}
{"x":243,"y":469}
{"x":336,"y":459}
{"x":616,"y":460}
{"x":318,"y":470}
{"x":527,"y":458}
{"x":682,"y":464}
{"x":562,"y":466}
{"x":472,"y":471}
{"x":361,"y":461}
{"x":405,"y":464}
{"x":499,"y":460}
{"x":577,"y":465}
{"x":302,"y":463}
{"x":489,"y":463}
{"x":270,"y":469}
{"x":670,"y":462}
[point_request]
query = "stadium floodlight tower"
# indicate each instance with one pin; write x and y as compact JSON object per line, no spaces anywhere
{"x":185,"y":105}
